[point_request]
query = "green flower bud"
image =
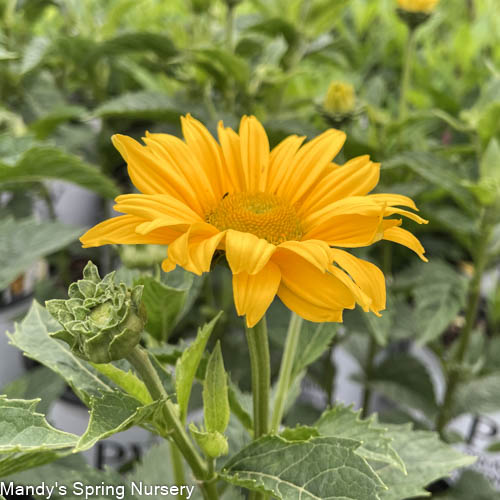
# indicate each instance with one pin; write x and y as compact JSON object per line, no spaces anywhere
{"x":102,"y":321}
{"x":339,"y":105}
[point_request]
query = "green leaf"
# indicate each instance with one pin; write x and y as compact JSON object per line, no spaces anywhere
{"x":213,"y":444}
{"x":39,"y":381}
{"x":47,"y":162}
{"x":241,"y":405}
{"x":494,"y":448}
{"x":229,"y":63}
{"x":24,"y":241}
{"x":111,"y":413}
{"x":34,"y":53}
{"x":320,"y":468}
{"x":47,"y":123}
{"x":342,"y":421}
{"x":142,"y":104}
{"x":158,"y":43}
{"x":406,"y":381}
{"x":313,"y":341}
{"x":187,"y":364}
{"x":32,"y":337}
{"x":426,"y":458}
{"x":164,"y":305}
{"x":215,"y":394}
{"x":479,"y":395}
{"x":471,"y":486}
{"x":127,"y":381}
{"x":27,"y":440}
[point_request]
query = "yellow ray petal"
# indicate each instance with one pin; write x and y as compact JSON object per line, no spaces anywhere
{"x":254,"y":293}
{"x":231,"y":149}
{"x":280,"y":159}
{"x":246,"y":252}
{"x":316,"y":252}
{"x":404,"y":237}
{"x":306,"y":309}
{"x":179,"y":158}
{"x":359,"y":295}
{"x":195,"y":248}
{"x":310,"y":284}
{"x":310,"y":163}
{"x":366,"y":275}
{"x":157,"y":206}
{"x":357,"y":177}
{"x":206,"y":151}
{"x":391,"y":199}
{"x":122,"y":230}
{"x":254,"y":153}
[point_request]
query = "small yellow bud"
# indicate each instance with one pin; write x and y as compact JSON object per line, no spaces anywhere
{"x":340,"y":98}
{"x":425,"y":6}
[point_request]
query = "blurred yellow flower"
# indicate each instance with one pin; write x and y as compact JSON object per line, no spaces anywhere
{"x":340,"y":98}
{"x":279,"y":215}
{"x":418,"y":5}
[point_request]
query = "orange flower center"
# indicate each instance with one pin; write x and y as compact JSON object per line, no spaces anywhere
{"x":262,"y":214}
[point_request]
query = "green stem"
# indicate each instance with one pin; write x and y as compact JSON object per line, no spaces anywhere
{"x":405,"y":76}
{"x":177,"y":466}
{"x":139,"y":359}
{"x":474,"y":296}
{"x":285,"y":376}
{"x":258,"y":346}
{"x":367,"y":391}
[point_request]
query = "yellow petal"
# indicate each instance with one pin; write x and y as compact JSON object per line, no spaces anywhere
{"x":366,"y":275}
{"x":254,"y":154}
{"x":316,"y":252}
{"x":177,"y":157}
{"x":310,"y":163}
{"x":206,"y":151}
{"x":157,"y":206}
{"x":246,"y":252}
{"x":357,"y":177}
{"x":280,"y":159}
{"x":122,"y":230}
{"x":254,"y":293}
{"x":231,"y":150}
{"x":307,"y":282}
{"x":391,"y":199}
{"x":195,"y":248}
{"x":403,"y":237}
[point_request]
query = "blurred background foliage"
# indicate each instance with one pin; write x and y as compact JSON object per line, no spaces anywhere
{"x":427,"y":103}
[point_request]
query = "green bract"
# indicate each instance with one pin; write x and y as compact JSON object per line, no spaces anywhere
{"x":102,"y":321}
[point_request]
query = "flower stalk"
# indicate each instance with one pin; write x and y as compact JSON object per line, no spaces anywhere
{"x":405,"y":76}
{"x":258,"y":346}
{"x":139,"y":359}
{"x":285,"y":375}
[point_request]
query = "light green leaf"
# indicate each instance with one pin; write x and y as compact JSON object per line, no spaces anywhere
{"x":342,"y":421}
{"x":127,"y":381}
{"x":426,"y":458}
{"x":47,"y":162}
{"x":142,"y":104}
{"x":471,"y":486}
{"x":27,"y":440}
{"x":34,"y":53}
{"x":406,"y":381}
{"x":318,"y":469}
{"x":47,"y":123}
{"x":215,"y":394}
{"x":24,"y":241}
{"x":241,"y":405}
{"x":229,"y":63}
{"x":187,"y":364}
{"x":32,"y":337}
{"x":38,"y":382}
{"x":213,"y":444}
{"x":111,"y":413}
{"x":164,"y":305}
{"x":479,"y":395}
{"x":313,"y":341}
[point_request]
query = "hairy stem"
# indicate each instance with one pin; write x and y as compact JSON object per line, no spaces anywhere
{"x":367,"y":391}
{"x":139,"y":359}
{"x":285,"y":376}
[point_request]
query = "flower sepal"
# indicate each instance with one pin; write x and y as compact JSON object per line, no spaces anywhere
{"x":413,"y":19}
{"x":102,"y":321}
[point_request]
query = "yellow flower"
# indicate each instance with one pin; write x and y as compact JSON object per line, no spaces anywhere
{"x":279,"y":215}
{"x":418,"y":5}
{"x":340,"y":98}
